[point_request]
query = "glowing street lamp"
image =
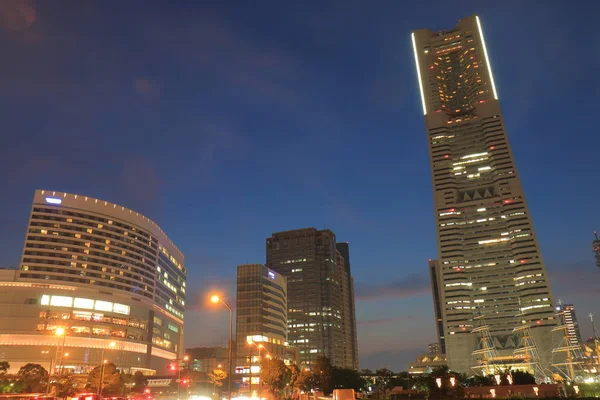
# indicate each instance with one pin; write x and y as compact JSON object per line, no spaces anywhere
{"x":216,"y":299}
{"x":509,"y":378}
{"x":536,"y":390}
{"x":452,"y":381}
{"x":498,"y":379}
{"x":493,"y":392}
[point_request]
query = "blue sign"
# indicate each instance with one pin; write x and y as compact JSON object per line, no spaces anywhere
{"x":53,"y":200}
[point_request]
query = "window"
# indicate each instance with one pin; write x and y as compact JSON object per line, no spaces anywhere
{"x":61,"y":301}
{"x":45,"y":300}
{"x":121,"y":308}
{"x":172,"y":327}
{"x":158,"y":321}
{"x":87,"y":304}
{"x":103,"y":305}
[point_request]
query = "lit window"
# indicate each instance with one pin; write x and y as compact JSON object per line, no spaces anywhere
{"x":83,"y":303}
{"x":61,"y":301}
{"x":103,"y":305}
{"x":45,"y":300}
{"x":121,"y":308}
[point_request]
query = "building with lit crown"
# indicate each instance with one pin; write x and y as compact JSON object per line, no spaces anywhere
{"x":106,"y":276}
{"x":491,"y":273}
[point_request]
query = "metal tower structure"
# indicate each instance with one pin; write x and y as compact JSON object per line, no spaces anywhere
{"x":485,"y":356}
{"x":571,"y":356}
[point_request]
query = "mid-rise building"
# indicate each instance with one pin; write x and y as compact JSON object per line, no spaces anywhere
{"x":261,"y":319}
{"x":319,"y":298}
{"x":491,"y":270}
{"x":570,"y":320}
{"x":207,"y":359}
{"x":94,"y":277}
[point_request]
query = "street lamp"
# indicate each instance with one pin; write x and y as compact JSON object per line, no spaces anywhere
{"x":110,"y":345}
{"x":216,"y":299}
{"x":259,"y":347}
{"x":438,"y":382}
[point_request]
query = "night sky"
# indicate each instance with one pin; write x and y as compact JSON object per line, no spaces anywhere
{"x":228,"y":121}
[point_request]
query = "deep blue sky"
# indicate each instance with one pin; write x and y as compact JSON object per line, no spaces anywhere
{"x":225,"y":121}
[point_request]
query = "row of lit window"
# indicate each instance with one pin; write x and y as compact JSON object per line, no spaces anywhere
{"x":88,"y":304}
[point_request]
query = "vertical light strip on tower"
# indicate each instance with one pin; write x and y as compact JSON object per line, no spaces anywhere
{"x":487,"y":59}
{"x":419,"y":74}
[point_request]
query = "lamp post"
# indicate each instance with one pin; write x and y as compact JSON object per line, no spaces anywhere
{"x":216,"y":299}
{"x":438,"y":382}
{"x":110,"y":345}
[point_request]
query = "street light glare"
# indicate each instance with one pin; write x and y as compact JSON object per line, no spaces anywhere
{"x":112,"y":344}
{"x":214,"y":298}
{"x":60,"y":331}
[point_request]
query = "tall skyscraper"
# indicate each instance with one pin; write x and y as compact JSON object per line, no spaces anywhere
{"x":344,"y":249}
{"x":490,"y":264}
{"x":100,"y":275}
{"x":570,"y":320}
{"x":319,"y":302}
{"x":434,"y":274}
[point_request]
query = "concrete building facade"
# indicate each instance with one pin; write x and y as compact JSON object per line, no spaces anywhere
{"x":320,"y":308}
{"x":490,"y":263}
{"x":94,"y":276}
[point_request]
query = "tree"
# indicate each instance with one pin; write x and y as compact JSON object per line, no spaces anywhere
{"x":294,"y":376}
{"x":4,"y":367}
{"x":66,"y":385}
{"x":139,"y":382}
{"x":347,"y":378}
{"x":111,"y":384}
{"x":275,"y":375}
{"x":522,"y":378}
{"x":305,"y":381}
{"x":323,"y":375}
{"x":477,"y":380}
{"x":33,"y":377}
{"x":384,"y":381}
{"x":217,"y":377}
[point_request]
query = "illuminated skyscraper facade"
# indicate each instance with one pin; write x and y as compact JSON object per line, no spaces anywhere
{"x":490,"y":266}
{"x":320,"y":308}
{"x":105,"y":276}
{"x":570,"y":320}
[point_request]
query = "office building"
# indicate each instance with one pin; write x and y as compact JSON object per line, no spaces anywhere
{"x":344,"y":249}
{"x":434,"y":274}
{"x":491,"y":268}
{"x":319,"y":302}
{"x":207,"y":359}
{"x":261,"y":319}
{"x":570,"y":320}
{"x":94,"y":277}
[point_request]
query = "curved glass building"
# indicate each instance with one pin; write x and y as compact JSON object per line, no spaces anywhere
{"x":96,"y":280}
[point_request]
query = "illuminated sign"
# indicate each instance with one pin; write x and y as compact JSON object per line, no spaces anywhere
{"x":53,"y":200}
{"x":271,"y":274}
{"x":89,"y":304}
